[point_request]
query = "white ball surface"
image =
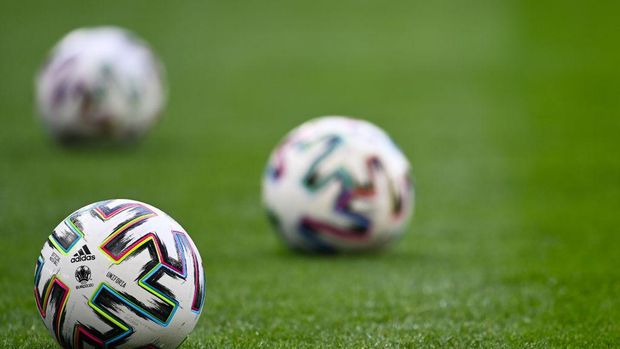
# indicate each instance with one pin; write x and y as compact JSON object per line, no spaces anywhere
{"x":100,"y":83}
{"x":338,"y":184}
{"x":119,"y":273}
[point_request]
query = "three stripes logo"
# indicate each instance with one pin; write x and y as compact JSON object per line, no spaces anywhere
{"x":82,"y":255}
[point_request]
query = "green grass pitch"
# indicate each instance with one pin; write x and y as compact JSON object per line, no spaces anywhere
{"x":509,"y":112}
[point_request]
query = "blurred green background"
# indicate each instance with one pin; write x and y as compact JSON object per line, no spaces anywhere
{"x":509,"y":112}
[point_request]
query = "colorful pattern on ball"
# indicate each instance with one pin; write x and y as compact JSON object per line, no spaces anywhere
{"x":146,"y":287}
{"x":338,"y":184}
{"x":100,"y":83}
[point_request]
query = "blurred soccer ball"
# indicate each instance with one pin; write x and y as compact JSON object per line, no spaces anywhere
{"x":119,"y":273}
{"x":100,"y":83}
{"x":338,"y":184}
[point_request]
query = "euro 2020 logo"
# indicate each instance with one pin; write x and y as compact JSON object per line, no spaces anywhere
{"x":82,"y":274}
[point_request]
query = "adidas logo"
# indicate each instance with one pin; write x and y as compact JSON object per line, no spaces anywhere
{"x":83,"y":254}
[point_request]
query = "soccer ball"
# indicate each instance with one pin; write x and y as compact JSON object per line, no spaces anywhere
{"x":100,"y":83}
{"x":338,"y":184}
{"x":119,"y":273}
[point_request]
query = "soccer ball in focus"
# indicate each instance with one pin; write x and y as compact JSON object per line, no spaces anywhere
{"x":119,"y":273}
{"x":338,"y":184}
{"x":100,"y":83}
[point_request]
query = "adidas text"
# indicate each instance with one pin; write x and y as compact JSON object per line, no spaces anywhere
{"x":89,"y":257}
